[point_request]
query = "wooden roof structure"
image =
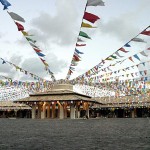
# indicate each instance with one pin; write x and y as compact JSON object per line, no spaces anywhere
{"x":9,"y":105}
{"x":124,"y":101}
{"x":63,"y":92}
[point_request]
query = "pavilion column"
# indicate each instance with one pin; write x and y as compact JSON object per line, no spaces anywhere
{"x":72,"y":111}
{"x":87,"y":109}
{"x":43,"y":112}
{"x":39,"y":111}
{"x":77,"y":110}
{"x":48,"y":111}
{"x":61,"y":111}
{"x":133,"y":113}
{"x":33,"y":111}
{"x":65,"y":110}
{"x":53,"y":110}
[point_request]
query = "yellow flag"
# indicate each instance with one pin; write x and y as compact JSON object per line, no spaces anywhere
{"x":86,"y":25}
{"x":26,"y":33}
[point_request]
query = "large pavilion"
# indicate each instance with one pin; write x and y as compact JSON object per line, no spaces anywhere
{"x":59,"y":102}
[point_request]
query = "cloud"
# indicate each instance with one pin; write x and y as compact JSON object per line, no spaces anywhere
{"x":34,"y":66}
{"x":59,"y":28}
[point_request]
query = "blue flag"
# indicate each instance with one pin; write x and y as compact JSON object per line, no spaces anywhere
{"x":5,"y":3}
{"x":40,"y":54}
{"x":78,"y":51}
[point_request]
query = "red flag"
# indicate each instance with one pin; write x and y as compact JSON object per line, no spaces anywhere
{"x":90,"y":17}
{"x":131,"y":59}
{"x":75,"y":58}
{"x":20,"y":27}
{"x":37,"y":50}
{"x":148,"y":48}
{"x":146,"y":33}
{"x":80,"y":44}
{"x":123,"y":50}
{"x":42,"y":60}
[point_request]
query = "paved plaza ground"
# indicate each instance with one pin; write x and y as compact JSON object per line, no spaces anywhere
{"x":79,"y":134}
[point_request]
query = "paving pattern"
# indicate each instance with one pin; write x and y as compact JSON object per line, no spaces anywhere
{"x":90,"y":134}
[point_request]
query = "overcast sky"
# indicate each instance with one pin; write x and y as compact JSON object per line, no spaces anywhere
{"x":56,"y":25}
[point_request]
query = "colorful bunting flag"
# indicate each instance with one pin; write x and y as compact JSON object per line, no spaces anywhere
{"x":95,"y":3}
{"x":123,"y":50}
{"x":138,"y":40}
{"x":30,"y":40}
{"x":90,"y":17}
{"x":20,"y":27}
{"x":40,"y":54}
{"x":136,"y":56}
{"x":80,"y":44}
{"x":80,"y":40}
{"x":146,"y":33}
{"x":25,"y":33}
{"x":5,"y":3}
{"x":86,"y":25}
{"x":130,"y":58}
{"x":143,"y":53}
{"x":15,"y":16}
{"x":78,"y":51}
{"x":117,"y":53}
{"x":127,"y":45}
{"x":37,"y":50}
{"x":83,"y":34}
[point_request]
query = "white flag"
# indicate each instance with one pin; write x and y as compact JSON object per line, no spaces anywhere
{"x":95,"y":3}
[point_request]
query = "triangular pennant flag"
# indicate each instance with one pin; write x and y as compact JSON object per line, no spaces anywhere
{"x":145,"y":71}
{"x":143,"y":53}
{"x":127,"y":45}
{"x":37,"y":50}
{"x":138,"y":40}
{"x":42,"y":60}
{"x":76,"y":54}
{"x":46,"y":64}
{"x":108,"y":58}
{"x":40,"y":54}
{"x":117,"y":53}
{"x":30,"y":40}
{"x":136,"y":56}
{"x":80,"y":44}
{"x":75,"y":58}
{"x":5,"y":3}
{"x":95,"y":3}
{"x":146,"y":33}
{"x":123,"y":50}
{"x":33,"y":45}
{"x":148,"y":48}
{"x":90,"y":17}
{"x":131,"y":59}
{"x":79,"y":40}
{"x":86,"y":25}
{"x":113,"y":56}
{"x":143,"y":63}
{"x":73,"y":63}
{"x":71,"y":68}
{"x":77,"y":51}
{"x":25,"y":33}
{"x":83,"y":34}
{"x":15,"y":16}
{"x":20,"y":27}
{"x":140,"y":73}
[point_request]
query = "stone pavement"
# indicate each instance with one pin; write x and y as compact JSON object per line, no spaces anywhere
{"x":79,"y":134}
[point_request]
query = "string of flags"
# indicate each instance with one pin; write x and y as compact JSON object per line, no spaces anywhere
{"x":108,"y":68}
{"x":21,"y":69}
{"x":100,"y":81}
{"x":87,"y":22}
{"x":117,"y":54}
{"x":32,"y":42}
